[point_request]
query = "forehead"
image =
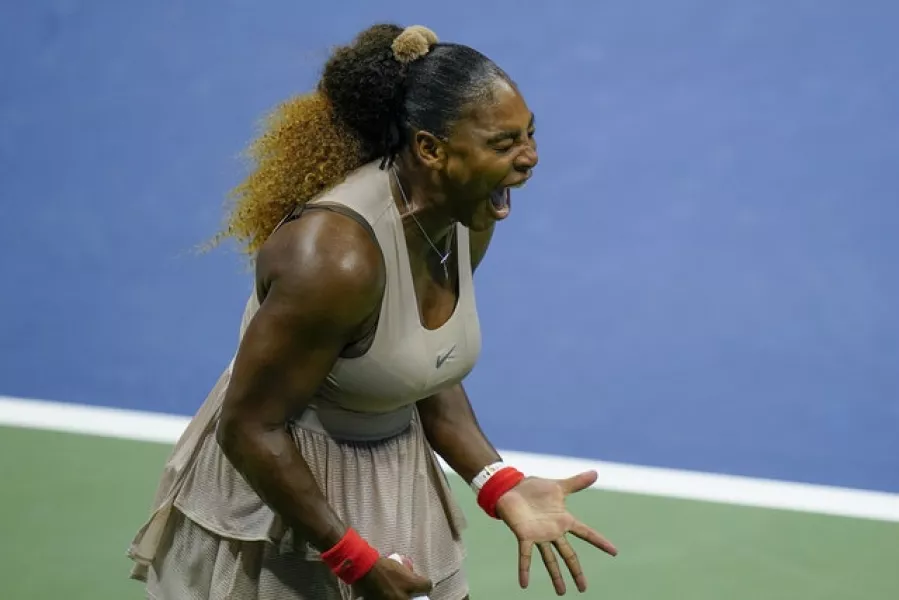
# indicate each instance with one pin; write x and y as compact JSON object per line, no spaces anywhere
{"x":504,"y":109}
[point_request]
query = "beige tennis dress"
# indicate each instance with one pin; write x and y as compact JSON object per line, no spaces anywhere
{"x":210,"y":536}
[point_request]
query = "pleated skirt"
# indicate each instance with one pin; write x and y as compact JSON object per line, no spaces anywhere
{"x":219,"y":541}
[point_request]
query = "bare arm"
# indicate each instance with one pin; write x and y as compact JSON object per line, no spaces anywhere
{"x":447,"y":417}
{"x":323,"y":277}
{"x":452,"y":430}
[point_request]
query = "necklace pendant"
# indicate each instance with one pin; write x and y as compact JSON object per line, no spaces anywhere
{"x":443,"y":260}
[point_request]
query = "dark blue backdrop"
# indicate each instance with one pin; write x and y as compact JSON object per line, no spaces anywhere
{"x":702,"y":275}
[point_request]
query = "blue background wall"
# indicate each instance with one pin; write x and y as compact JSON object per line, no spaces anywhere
{"x":703,"y":274}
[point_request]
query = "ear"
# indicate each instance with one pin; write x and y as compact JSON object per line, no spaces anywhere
{"x":429,"y":149}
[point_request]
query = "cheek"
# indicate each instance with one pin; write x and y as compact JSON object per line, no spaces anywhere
{"x":499,"y":170}
{"x":491,"y":168}
{"x":458,"y":170}
{"x":478,"y":171}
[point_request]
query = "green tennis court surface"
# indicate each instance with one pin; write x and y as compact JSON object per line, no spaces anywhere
{"x":70,"y":504}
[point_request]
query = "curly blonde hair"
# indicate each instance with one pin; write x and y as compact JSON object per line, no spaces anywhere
{"x":303,"y":151}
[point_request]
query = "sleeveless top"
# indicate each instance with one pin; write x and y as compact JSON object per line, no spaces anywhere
{"x":364,"y":398}
{"x":372,"y":396}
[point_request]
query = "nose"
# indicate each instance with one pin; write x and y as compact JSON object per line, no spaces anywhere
{"x":527,"y":159}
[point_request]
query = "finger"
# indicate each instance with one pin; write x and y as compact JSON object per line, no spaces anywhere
{"x":579,"y":482}
{"x":524,"y":563}
{"x":593,"y":537}
{"x":572,"y":562}
{"x":552,"y":567}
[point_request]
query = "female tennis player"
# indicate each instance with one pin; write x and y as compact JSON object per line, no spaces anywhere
{"x":314,"y":457}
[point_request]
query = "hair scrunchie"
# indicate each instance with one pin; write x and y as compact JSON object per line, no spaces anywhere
{"x":414,"y":42}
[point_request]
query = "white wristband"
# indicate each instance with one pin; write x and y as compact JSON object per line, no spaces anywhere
{"x":484,"y":476}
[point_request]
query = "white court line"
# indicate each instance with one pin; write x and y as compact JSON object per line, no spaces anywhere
{"x":670,"y":483}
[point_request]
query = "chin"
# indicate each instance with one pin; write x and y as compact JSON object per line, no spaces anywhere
{"x":477,"y":222}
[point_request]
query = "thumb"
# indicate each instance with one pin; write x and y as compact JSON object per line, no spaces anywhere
{"x":579,"y":482}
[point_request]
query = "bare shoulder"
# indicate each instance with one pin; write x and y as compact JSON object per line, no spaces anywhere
{"x":327,"y":263}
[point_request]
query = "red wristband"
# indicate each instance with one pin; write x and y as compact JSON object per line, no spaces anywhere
{"x":501,"y":482}
{"x":350,"y":558}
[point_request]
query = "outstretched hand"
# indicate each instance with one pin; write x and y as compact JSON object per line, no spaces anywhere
{"x":535,"y":512}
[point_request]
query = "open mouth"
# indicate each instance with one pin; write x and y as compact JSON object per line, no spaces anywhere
{"x":501,"y":199}
{"x":500,"y":203}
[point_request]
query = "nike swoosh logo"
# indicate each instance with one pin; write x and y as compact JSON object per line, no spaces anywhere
{"x":443,"y":357}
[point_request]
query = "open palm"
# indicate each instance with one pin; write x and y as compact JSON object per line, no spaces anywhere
{"x":535,"y":512}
